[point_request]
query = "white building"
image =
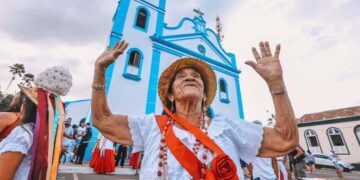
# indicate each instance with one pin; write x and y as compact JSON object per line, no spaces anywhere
{"x":131,"y":82}
{"x":153,"y":45}
{"x":338,"y":129}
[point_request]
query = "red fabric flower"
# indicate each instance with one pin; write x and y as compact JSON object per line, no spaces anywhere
{"x":223,"y":167}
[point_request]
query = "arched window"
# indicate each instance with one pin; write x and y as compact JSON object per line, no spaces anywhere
{"x":357,"y":133}
{"x":337,"y":141}
{"x":141,"y":19}
{"x":312,"y":141}
{"x":133,"y":64}
{"x":223,"y":91}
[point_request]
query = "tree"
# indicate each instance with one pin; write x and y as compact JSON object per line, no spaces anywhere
{"x":5,"y":103}
{"x":16,"y":69}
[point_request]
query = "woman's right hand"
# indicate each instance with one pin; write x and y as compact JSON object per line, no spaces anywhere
{"x":110,"y":55}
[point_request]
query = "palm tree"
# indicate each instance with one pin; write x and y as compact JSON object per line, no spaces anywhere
{"x":16,"y":69}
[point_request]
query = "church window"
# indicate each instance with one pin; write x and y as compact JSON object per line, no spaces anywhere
{"x":223,"y":91}
{"x":133,"y":64}
{"x":312,"y":141}
{"x":201,"y":49}
{"x":141,"y":19}
{"x":357,"y":133}
{"x":337,"y":141}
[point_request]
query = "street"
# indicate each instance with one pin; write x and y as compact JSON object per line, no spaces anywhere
{"x":77,"y":172}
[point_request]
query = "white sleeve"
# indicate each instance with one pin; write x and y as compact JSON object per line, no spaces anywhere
{"x":248,"y":137}
{"x":19,"y":140}
{"x":140,"y":128}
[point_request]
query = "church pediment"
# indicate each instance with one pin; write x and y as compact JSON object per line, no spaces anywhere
{"x":193,"y":35}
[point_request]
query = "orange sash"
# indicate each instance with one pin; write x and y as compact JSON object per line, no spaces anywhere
{"x":184,"y":156}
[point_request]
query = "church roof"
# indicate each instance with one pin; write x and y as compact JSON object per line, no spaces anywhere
{"x":330,"y":115}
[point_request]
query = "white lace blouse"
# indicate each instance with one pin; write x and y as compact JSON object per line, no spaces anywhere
{"x":237,"y":138}
{"x":19,"y":140}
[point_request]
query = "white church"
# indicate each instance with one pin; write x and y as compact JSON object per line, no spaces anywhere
{"x":131,"y":82}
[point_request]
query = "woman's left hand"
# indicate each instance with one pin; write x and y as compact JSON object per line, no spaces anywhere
{"x":267,"y":65}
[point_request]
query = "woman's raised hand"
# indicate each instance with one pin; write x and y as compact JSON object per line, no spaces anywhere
{"x":267,"y":65}
{"x":111,"y":54}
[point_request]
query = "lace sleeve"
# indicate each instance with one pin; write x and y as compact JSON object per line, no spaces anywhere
{"x":248,"y":138}
{"x":19,"y":140}
{"x":141,"y":127}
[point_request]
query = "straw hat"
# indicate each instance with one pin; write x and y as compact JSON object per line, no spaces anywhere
{"x":206,"y":72}
{"x":56,"y":80}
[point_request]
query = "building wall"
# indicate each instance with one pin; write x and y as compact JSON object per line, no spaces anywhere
{"x":347,"y":129}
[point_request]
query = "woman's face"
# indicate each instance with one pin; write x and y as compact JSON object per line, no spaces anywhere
{"x":187,"y":85}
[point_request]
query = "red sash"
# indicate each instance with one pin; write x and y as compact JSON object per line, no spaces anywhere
{"x":186,"y":158}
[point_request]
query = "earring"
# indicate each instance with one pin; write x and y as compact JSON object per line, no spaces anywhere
{"x":205,"y":115}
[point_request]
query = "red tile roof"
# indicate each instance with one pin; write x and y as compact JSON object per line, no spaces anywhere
{"x":331,"y":114}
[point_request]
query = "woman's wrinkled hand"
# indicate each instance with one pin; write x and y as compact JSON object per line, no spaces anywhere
{"x":110,"y":55}
{"x":267,"y":65}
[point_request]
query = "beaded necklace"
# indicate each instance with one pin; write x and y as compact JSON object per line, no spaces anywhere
{"x":163,"y":166}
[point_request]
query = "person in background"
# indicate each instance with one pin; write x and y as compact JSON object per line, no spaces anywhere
{"x":80,"y":132}
{"x":11,"y":118}
{"x":121,"y":155}
{"x":26,"y":153}
{"x":335,"y":160}
{"x":288,"y":167}
{"x":103,"y":156}
{"x":297,"y":157}
{"x":310,"y":161}
{"x":67,"y":142}
{"x":84,"y":143}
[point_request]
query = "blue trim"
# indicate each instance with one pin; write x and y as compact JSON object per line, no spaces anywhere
{"x":120,"y":17}
{"x":153,"y":82}
{"x":76,"y":101}
{"x":239,"y":99}
{"x":227,"y":60}
{"x":223,"y":99}
{"x":192,"y":53}
{"x":132,"y":76}
{"x":180,"y":24}
{"x":116,"y":35}
{"x":152,"y":6}
{"x":205,"y":33}
{"x":147,"y":19}
{"x":160,"y":19}
{"x":179,"y":54}
{"x":168,"y":50}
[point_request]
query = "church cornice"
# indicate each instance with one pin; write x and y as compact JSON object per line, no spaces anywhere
{"x":186,"y":51}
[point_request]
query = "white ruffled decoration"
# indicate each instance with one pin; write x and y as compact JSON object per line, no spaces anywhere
{"x":57,"y":80}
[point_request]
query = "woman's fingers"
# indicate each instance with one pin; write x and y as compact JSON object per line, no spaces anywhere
{"x":267,"y":49}
{"x":256,"y":54}
{"x":262,"y":49}
{"x":252,"y":64}
{"x":277,"y":51}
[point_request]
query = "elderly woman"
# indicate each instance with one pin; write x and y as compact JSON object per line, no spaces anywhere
{"x":185,"y":143}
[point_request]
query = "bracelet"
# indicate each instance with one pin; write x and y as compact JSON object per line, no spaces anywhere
{"x":279,"y":90}
{"x":98,"y":86}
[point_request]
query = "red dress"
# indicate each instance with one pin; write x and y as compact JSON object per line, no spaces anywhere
{"x":134,"y":160}
{"x":103,"y":160}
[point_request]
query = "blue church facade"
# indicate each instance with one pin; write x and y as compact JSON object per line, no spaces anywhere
{"x":131,"y":82}
{"x":153,"y":45}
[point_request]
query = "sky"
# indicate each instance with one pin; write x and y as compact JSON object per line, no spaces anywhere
{"x":320,"y":44}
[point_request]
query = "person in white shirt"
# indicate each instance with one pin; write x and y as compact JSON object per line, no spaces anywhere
{"x":187,"y":142}
{"x":67,"y":142}
{"x":103,"y":160}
